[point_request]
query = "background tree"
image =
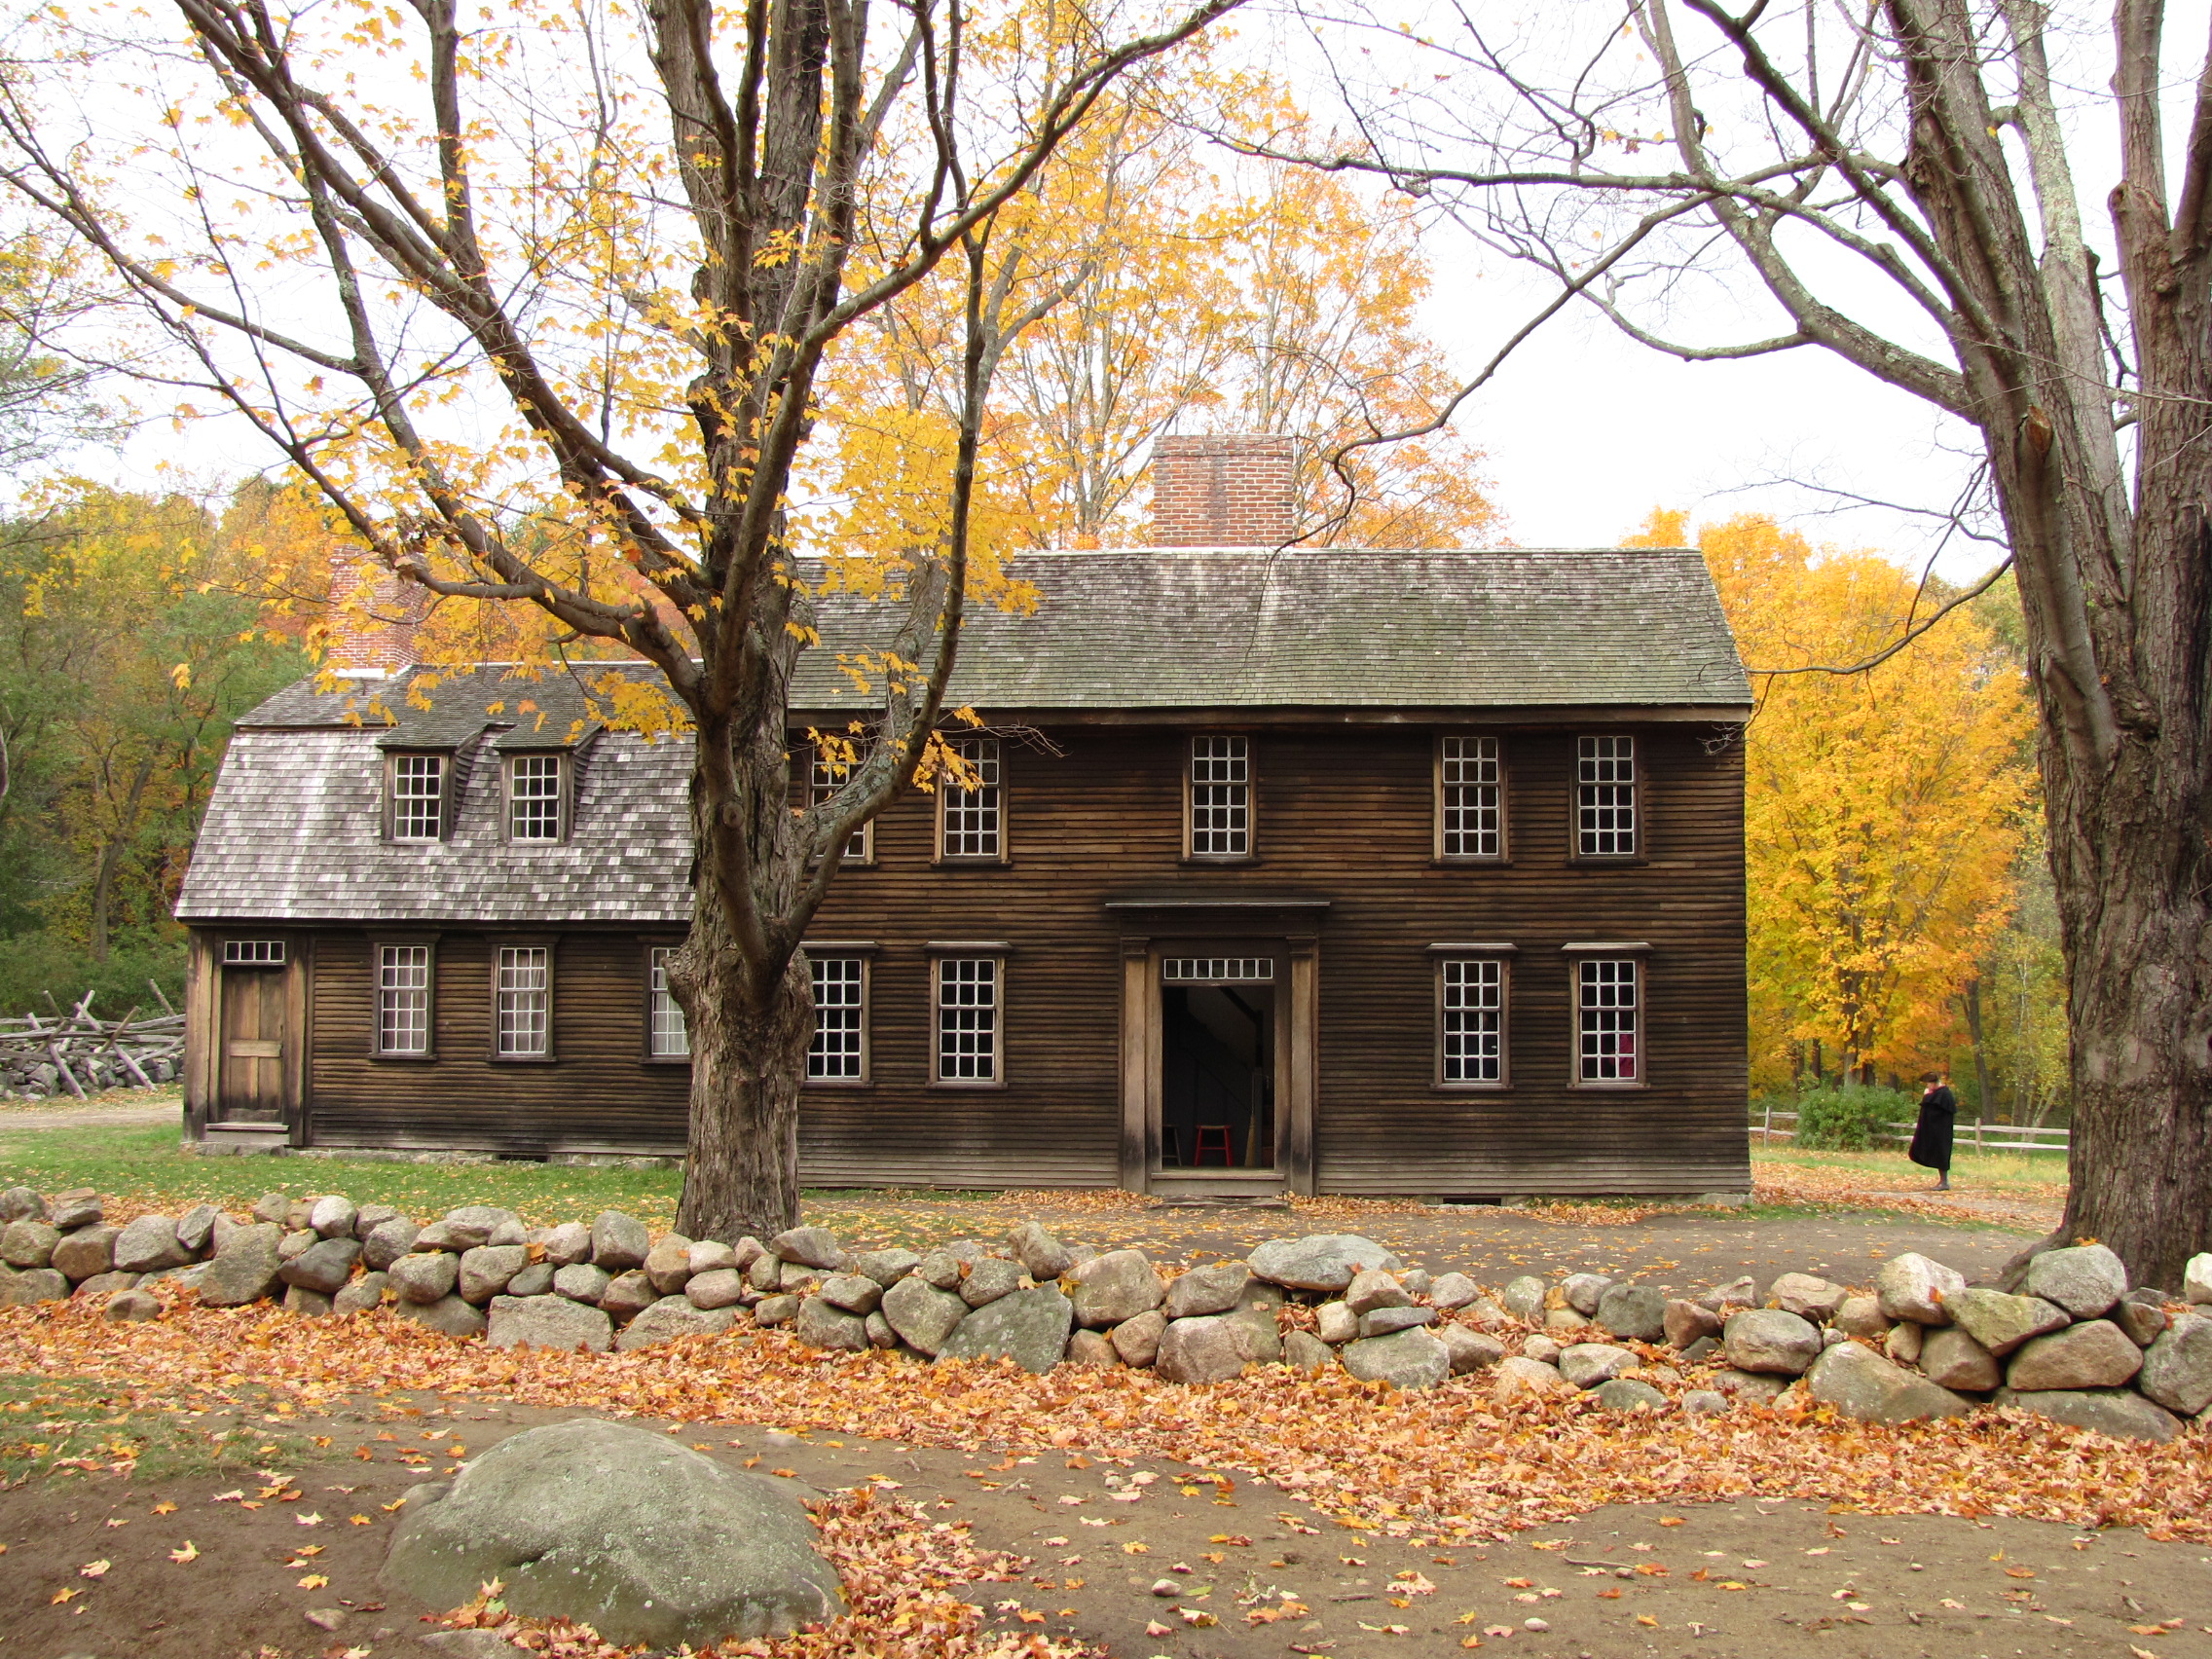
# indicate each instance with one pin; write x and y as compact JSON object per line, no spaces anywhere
{"x":476,"y":275}
{"x":1899,"y":187}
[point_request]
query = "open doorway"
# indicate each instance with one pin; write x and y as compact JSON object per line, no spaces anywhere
{"x":1217,"y":1098}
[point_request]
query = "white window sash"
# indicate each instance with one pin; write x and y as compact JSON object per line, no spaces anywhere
{"x":1609,"y":1001}
{"x":1471,"y":1022}
{"x":971,"y":823}
{"x":523,"y":1015}
{"x":837,"y":1051}
{"x":536,"y":806}
{"x":668,"y":1037}
{"x":968,"y":1014}
{"x":404,"y":985}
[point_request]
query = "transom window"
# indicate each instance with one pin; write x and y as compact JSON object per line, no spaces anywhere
{"x":403,"y":999}
{"x":418,"y":797}
{"x":1471,"y":782}
{"x":535,"y":798}
{"x":668,"y":1037}
{"x":1217,"y":970}
{"x":970,"y":818}
{"x":838,"y":1053}
{"x":1608,"y":1003}
{"x":525,"y":998}
{"x":1472,"y":1010}
{"x":967,"y":1019}
{"x":1220,"y":797}
{"x":253,"y":953}
{"x":825,"y":777}
{"x":1604,"y":779}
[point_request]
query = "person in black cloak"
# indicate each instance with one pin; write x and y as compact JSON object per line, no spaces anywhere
{"x":1931,"y":1147}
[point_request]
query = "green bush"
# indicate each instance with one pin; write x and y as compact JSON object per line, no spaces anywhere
{"x":1852,"y":1120}
{"x":35,"y":964}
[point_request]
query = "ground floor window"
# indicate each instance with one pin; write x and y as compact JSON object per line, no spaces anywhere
{"x":403,"y":999}
{"x":1470,"y":994}
{"x":522,"y":1015}
{"x":668,"y":1037}
{"x":838,"y":1053}
{"x":1608,"y":1003}
{"x":967,"y":1019}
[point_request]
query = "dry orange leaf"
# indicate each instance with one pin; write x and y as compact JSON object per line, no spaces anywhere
{"x":190,"y":1552}
{"x":64,"y":1594}
{"x":94,"y":1569}
{"x":164,"y":1507}
{"x":313,"y":1581}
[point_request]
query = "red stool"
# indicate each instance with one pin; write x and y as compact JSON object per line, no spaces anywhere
{"x":1212,"y":1137}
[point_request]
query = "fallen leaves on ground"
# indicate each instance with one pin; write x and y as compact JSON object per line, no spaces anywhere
{"x":1824,"y":1186}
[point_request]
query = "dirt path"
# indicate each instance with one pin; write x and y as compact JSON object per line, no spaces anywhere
{"x":118,"y":1110}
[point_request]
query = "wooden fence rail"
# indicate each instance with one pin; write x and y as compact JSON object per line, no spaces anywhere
{"x":79,"y":1053}
{"x":1772,"y":1125}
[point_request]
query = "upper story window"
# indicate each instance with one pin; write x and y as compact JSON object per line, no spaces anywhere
{"x":826,"y":775}
{"x":667,"y":1036}
{"x":403,"y":1000}
{"x":1470,"y":799}
{"x":537,"y":798}
{"x":1604,"y":797}
{"x":1470,"y":1017}
{"x":838,"y":1052}
{"x":1219,"y":797}
{"x":417,"y":787}
{"x":971,"y":820}
{"x":523,"y":997}
{"x":1608,"y":1007}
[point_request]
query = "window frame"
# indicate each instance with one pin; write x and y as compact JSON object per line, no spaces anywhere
{"x":1636,"y":792}
{"x":447,"y":765}
{"x":1637,"y":954}
{"x":646,"y":1054}
{"x":814,"y":789}
{"x":1438,"y":851}
{"x":499,"y":949}
{"x":379,"y":943}
{"x":846,"y":950}
{"x":564,"y":774}
{"x":1442,"y":956}
{"x":1250,"y":787}
{"x":946,"y":789}
{"x":953,"y":951}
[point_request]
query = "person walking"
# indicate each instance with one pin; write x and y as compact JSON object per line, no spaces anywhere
{"x":1931,"y":1147}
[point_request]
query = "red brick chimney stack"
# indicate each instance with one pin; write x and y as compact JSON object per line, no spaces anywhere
{"x":1234,"y":490}
{"x":373,"y":618}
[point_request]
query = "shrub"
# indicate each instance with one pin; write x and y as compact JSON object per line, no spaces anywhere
{"x":1853,"y":1118}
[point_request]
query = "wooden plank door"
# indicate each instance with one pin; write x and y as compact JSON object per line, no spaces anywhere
{"x":250,"y":1073}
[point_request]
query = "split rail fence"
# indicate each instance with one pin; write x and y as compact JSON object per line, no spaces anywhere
{"x":1772,"y":1125}
{"x":79,"y":1053}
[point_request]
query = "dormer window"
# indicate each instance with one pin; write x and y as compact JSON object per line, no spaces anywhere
{"x":415,"y":788}
{"x":537,"y":798}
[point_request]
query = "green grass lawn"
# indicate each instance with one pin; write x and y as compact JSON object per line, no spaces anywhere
{"x":58,"y":1426}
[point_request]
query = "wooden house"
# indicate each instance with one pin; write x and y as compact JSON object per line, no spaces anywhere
{"x":1337,"y":870}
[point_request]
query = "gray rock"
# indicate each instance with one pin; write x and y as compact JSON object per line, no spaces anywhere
{"x":796,"y":1279}
{"x":297,"y":1242}
{"x":245,"y":1270}
{"x":333,"y":1216}
{"x":626,"y":1294}
{"x":771,"y":1310}
{"x":1566,"y":1321}
{"x":718,"y":1287}
{"x":1808,"y":1297}
{"x":1860,"y":1384}
{"x":2093,"y":1355}
{"x":2120,"y":1413}
{"x":1912,"y":1287}
{"x":1304,"y":1351}
{"x":87,"y":1251}
{"x":1629,"y":1394}
{"x":2141,"y":1320}
{"x":466,"y":1644}
{"x":2085,"y":1280}
{"x":1517,"y":1374}
{"x":581,"y":1281}
{"x":2000,"y":1323}
{"x":1320,"y":1261}
{"x":1043,"y":1257}
{"x":1334,"y":1323}
{"x":104,"y":1284}
{"x":148,"y":1245}
{"x":449,"y":1313}
{"x":1903,"y":1341}
{"x":824,"y":1326}
{"x":1383,"y":1320}
{"x":1948,"y":1356}
{"x":360,"y":1295}
{"x":1137,"y":1341}
{"x":535,"y":1279}
{"x":922,"y":1314}
{"x":1683,"y":1322}
{"x":1704,"y":1402}
{"x":1740,"y":1292}
{"x":1768,"y":1339}
{"x":765,"y":1273}
{"x":30,"y":1286}
{"x":438,"y":1237}
{"x":79,"y":1207}
{"x":1116,"y":1286}
{"x":21,"y":1203}
{"x":1094,"y":1349}
{"x":323,"y":1266}
{"x":1699,"y":1352}
{"x":1208,"y":1349}
{"x":195,"y":1228}
{"x":1210,"y":1289}
{"x":1584,"y":1291}
{"x":487,"y":1269}
{"x":1635,"y":1312}
{"x":618,"y":1241}
{"x":880,"y":1335}
{"x":854,"y":1293}
{"x":1543,"y":1348}
{"x":567,"y":1244}
{"x":308,"y":1303}
{"x":2196,"y":1279}
{"x":1407,"y":1359}
{"x":810,"y":1247}
{"x":1588,"y":1364}
{"x":390,"y":1241}
{"x":1453,"y":1292}
{"x":710,"y":1256}
{"x":1262,"y":1331}
{"x":1372,"y":1288}
{"x":941,"y":1269}
{"x":367,"y":1218}
{"x":748,"y":1250}
{"x":668,"y":1264}
{"x":1029,"y":1327}
{"x":1468,"y":1350}
{"x":1416,"y":1280}
{"x":1524,"y":1298}
{"x":2177,"y":1371}
{"x":989,"y":1279}
{"x":473,"y":1225}
{"x":131,"y":1307}
{"x":669,"y":1319}
{"x":887,"y":1267}
{"x":1860,"y":1316}
{"x":273,"y":1207}
{"x":628,"y":1530}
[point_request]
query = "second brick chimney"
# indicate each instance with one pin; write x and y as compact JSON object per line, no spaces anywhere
{"x":1234,"y":490}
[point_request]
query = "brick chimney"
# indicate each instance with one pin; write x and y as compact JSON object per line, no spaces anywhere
{"x":373,"y":618}
{"x":1234,"y":490}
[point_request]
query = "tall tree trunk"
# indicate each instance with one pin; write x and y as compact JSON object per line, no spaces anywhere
{"x":1972,"y":1000}
{"x":111,"y":859}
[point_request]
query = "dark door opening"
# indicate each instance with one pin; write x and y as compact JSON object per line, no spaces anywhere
{"x":1217,"y":1096}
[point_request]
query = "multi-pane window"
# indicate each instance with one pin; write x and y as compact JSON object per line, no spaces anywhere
{"x":403,"y":999}
{"x":1604,"y":796}
{"x":1607,"y":1003}
{"x":534,"y":797}
{"x":418,"y":797}
{"x":825,"y":777}
{"x":1472,"y":1010}
{"x":1220,"y":797}
{"x":668,"y":1037}
{"x":969,"y":826}
{"x":1472,"y":796}
{"x":967,"y":1020}
{"x":523,"y":1016}
{"x":253,"y":953}
{"x":838,"y":1053}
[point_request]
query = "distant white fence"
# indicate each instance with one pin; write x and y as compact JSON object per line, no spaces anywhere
{"x":1772,"y":1125}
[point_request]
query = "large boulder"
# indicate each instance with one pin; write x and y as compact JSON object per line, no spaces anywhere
{"x":421,"y":1276}
{"x":1453,"y":1291}
{"x":1685,"y":1322}
{"x":1407,"y":1359}
{"x":79,"y":1207}
{"x":1588,"y":1364}
{"x":449,"y":1313}
{"x":1860,"y":1316}
{"x":1912,"y":1287}
{"x":1210,"y":1289}
{"x":668,"y":1264}
{"x":581,"y":1281}
{"x":358,"y":1296}
{"x":1116,"y":1286}
{"x":2000,"y":1323}
{"x":387,"y":1241}
{"x":1524,"y":1298}
{"x":1043,"y":1257}
{"x":27,"y":1288}
{"x":1860,"y":1384}
{"x":1952,"y":1359}
{"x":2085,"y":1280}
{"x":1307,"y":1353}
{"x":887,"y":1267}
{"x":1029,"y":1327}
{"x":1635,"y":1312}
{"x":195,"y":1228}
{"x":567,"y":1244}
{"x":487,"y":1269}
{"x":547,"y":1322}
{"x":2177,"y":1370}
{"x":821,"y":1325}
{"x":1381,"y":1321}
{"x":1320,"y":1261}
{"x":1769,"y":1340}
{"x":619,"y":1242}
{"x":810,"y":1247}
{"x":1629,"y":1394}
{"x":1807,"y":1297}
{"x":628,"y":1293}
{"x":148,"y":1245}
{"x":922,"y":1314}
{"x":716,"y":1287}
{"x":334,"y":1215}
{"x":323,"y":1266}
{"x":473,"y":1225}
{"x":1208,"y":1349}
{"x":989,"y":1279}
{"x":669,"y":1319}
{"x":2120,"y":1413}
{"x":19,"y":1203}
{"x":245,"y":1270}
{"x":2196,"y":1278}
{"x":1582,"y":1291}
{"x":854,"y":1293}
{"x":1517,"y":1374}
{"x":630,"y":1531}
{"x":1137,"y":1341}
{"x":2093,"y":1355}
{"x":1372,"y":1288}
{"x":1469,"y":1350}
{"x":87,"y":1251}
